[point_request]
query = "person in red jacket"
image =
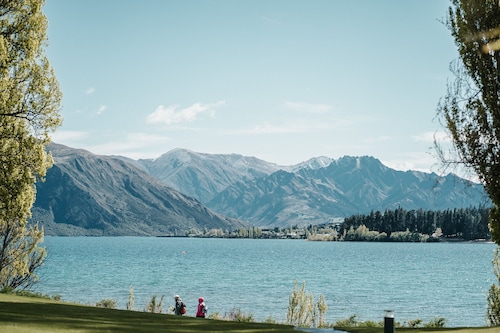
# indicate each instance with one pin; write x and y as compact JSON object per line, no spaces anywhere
{"x":202,"y":308}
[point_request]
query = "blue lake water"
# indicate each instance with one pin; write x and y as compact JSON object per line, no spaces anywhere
{"x":416,"y":280}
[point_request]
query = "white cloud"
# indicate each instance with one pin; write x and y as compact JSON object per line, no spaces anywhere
{"x":89,"y":90}
{"x":68,"y":136}
{"x":419,"y":161}
{"x":289,"y":127}
{"x":134,"y":145}
{"x":172,"y":114}
{"x":270,"y":20}
{"x":266,"y":127}
{"x":377,"y":139}
{"x":439,"y":136}
{"x":308,"y":107}
{"x":101,"y":109}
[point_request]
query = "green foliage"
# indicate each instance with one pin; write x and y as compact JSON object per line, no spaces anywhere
{"x":435,"y":323}
{"x":408,"y":236}
{"x":493,"y":297}
{"x":415,"y":323}
{"x":28,"y":293}
{"x":155,"y":305}
{"x":362,"y":233}
{"x":370,"y":323}
{"x":270,"y":320}
{"x":106,"y":303}
{"x":493,"y":311}
{"x":29,"y":109}
{"x":215,"y":315}
{"x":352,"y":322}
{"x":347,"y":322}
{"x":470,"y":110}
{"x":419,"y":225}
{"x":321,"y":233}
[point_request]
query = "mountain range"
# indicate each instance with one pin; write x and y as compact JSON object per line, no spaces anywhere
{"x":183,"y":190}
{"x":312,"y":192}
{"x":88,"y":194}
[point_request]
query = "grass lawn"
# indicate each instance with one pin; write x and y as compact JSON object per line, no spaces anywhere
{"x":422,"y":330}
{"x":26,"y":314}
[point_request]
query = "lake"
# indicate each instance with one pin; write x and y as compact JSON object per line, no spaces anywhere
{"x":416,"y":280}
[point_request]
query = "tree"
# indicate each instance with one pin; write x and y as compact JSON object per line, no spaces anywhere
{"x":29,"y":110}
{"x":493,"y":311}
{"x":471,"y":106}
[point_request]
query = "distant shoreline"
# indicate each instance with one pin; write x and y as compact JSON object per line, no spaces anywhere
{"x":437,"y":240}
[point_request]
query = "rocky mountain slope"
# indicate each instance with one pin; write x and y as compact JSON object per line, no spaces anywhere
{"x":88,"y":194}
{"x":203,"y":176}
{"x":315,"y":191}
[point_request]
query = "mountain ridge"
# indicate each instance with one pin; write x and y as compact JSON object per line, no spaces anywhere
{"x":319,"y":189}
{"x":90,"y":194}
{"x":183,"y":191}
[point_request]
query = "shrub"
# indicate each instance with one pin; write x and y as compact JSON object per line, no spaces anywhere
{"x":28,"y":293}
{"x":106,"y":303}
{"x":435,"y":323}
{"x":408,"y":236}
{"x":237,"y":315}
{"x":214,"y":315}
{"x":321,"y":308}
{"x":370,"y":324}
{"x":302,"y":311}
{"x":415,"y":323}
{"x":130,"y":303}
{"x":347,"y":322}
{"x":155,"y":305}
{"x":270,"y":320}
{"x":493,"y":297}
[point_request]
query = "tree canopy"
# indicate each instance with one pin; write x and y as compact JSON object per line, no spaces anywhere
{"x":29,"y":110}
{"x":471,"y":106}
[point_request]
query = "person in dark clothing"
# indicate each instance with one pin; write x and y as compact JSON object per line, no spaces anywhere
{"x":180,"y":307}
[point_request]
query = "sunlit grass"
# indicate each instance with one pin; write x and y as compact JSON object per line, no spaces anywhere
{"x":37,"y":315}
{"x":418,"y":330}
{"x":26,"y":314}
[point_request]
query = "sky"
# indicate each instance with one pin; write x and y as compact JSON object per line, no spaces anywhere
{"x":284,"y":81}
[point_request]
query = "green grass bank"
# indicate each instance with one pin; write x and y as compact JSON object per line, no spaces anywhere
{"x":26,"y":314}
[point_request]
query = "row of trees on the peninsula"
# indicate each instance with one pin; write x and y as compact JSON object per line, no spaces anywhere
{"x":398,"y":225}
{"x":462,"y":223}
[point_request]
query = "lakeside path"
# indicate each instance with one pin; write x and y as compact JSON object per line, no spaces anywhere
{"x":36,"y":315}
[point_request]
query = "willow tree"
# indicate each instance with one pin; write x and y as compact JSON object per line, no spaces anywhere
{"x":29,"y":111}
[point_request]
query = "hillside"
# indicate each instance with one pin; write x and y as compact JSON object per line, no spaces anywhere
{"x":88,"y":194}
{"x":203,"y":176}
{"x":312,"y":192}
